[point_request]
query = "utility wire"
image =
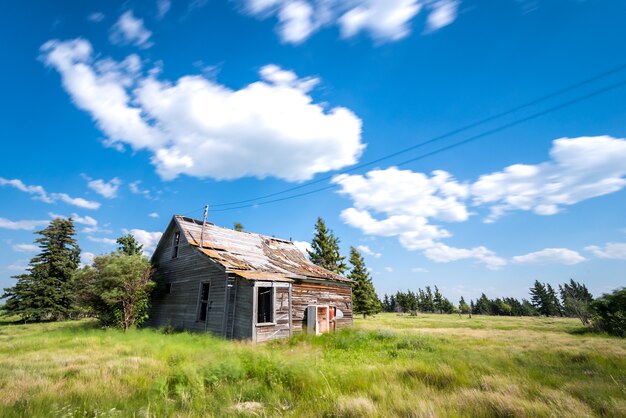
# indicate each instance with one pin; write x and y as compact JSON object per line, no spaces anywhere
{"x":448,"y":147}
{"x":435,"y":139}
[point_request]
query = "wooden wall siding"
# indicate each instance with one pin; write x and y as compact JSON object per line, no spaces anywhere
{"x":243,"y":310}
{"x":305,"y":294}
{"x":280,"y":329}
{"x":180,"y":308}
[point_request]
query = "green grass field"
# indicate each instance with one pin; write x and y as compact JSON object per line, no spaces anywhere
{"x":429,"y":365}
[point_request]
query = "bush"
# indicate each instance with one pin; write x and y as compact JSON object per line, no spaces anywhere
{"x":610,"y":312}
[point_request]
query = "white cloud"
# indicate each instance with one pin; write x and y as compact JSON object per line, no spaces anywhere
{"x":26,"y":248}
{"x":580,"y":168}
{"x":443,"y":13}
{"x":550,"y":256}
{"x":153,"y":215}
{"x":406,"y":201}
{"x":612,"y":250}
{"x":39,"y":193}
{"x":129,"y":30}
{"x":86,"y":258}
{"x":442,"y":253}
{"x":106,"y":189}
{"x":135,"y":189}
{"x":149,"y":240}
{"x":410,"y":205}
{"x":21,"y":225}
{"x":102,"y":240}
{"x":19,"y":266}
{"x":84,"y":220}
{"x":367,"y":250}
{"x":303,"y":246}
{"x":200,"y":128}
{"x":96,"y":17}
{"x":163,"y":6}
{"x":383,"y":20}
{"x":389,"y":269}
{"x":419,"y":270}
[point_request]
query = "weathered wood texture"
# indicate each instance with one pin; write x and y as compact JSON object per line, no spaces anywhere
{"x":280,"y":328}
{"x":243,"y":310}
{"x":305,"y":294}
{"x":186,"y":272}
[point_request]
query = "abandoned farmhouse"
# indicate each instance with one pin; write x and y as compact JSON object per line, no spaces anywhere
{"x":243,"y":285}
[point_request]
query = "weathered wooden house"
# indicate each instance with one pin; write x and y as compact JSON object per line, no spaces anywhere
{"x":243,"y":285}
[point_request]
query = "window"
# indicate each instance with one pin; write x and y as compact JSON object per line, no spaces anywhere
{"x":176,"y":242}
{"x":203,"y":305}
{"x":168,"y":288}
{"x":265,"y":305}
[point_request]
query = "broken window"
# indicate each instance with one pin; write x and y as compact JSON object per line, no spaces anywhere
{"x":265,"y":305}
{"x":176,"y":242}
{"x":203,"y":305}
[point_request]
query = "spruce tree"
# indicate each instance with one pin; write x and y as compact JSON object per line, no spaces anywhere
{"x":364,"y":298}
{"x":576,"y":300}
{"x":44,"y":292}
{"x":438,"y":301}
{"x":539,"y":298}
{"x":325,"y":251}
{"x":129,"y":245}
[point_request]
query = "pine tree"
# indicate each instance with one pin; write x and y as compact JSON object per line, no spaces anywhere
{"x":325,"y":251}
{"x":364,"y":298}
{"x":464,"y":307}
{"x":438,"y":301}
{"x":539,"y":298}
{"x":238,"y":226}
{"x":129,"y":245}
{"x":44,"y":292}
{"x":429,"y":305}
{"x":554,"y":306}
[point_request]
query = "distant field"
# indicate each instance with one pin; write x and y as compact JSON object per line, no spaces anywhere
{"x":429,"y":365}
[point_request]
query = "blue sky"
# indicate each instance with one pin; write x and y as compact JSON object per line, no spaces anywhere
{"x":122,"y":114}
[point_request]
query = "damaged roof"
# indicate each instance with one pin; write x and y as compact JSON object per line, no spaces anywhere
{"x":253,"y":256}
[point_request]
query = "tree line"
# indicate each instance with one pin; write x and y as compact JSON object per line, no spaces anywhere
{"x":116,"y":287}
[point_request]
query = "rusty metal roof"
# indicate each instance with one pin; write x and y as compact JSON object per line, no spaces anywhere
{"x":253,"y":256}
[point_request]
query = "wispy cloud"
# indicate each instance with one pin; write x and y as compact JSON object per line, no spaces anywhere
{"x":550,"y":256}
{"x":105,"y":189}
{"x":129,"y":30}
{"x":367,"y":250}
{"x":96,"y":17}
{"x":612,"y":250}
{"x":26,"y":248}
{"x":21,"y":225}
{"x":39,"y":193}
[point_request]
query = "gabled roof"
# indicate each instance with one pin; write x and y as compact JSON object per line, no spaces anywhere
{"x":253,"y":256}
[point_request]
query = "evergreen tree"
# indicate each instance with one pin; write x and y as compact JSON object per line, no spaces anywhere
{"x":393,"y":303}
{"x":438,"y":301}
{"x":128,"y":245}
{"x":429,"y":304}
{"x":325,"y":251}
{"x":364,"y":298}
{"x":44,"y":292}
{"x":554,"y":306}
{"x":386,"y":303}
{"x":238,"y":226}
{"x":539,"y":298}
{"x":483,"y":305}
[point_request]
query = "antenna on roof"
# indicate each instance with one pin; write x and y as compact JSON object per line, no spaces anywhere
{"x":206,"y":213}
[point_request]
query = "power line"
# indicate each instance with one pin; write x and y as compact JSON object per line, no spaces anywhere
{"x":449,"y":147}
{"x":434,"y":139}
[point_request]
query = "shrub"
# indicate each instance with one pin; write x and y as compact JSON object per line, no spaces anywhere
{"x":610,"y":312}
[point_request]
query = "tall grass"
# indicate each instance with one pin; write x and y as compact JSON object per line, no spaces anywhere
{"x":429,"y":365}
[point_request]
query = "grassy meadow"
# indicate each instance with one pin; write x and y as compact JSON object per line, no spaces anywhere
{"x":390,"y":365}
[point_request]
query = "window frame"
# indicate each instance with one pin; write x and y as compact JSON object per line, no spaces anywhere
{"x":176,"y":244}
{"x":205,"y":302}
{"x":272,"y":309}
